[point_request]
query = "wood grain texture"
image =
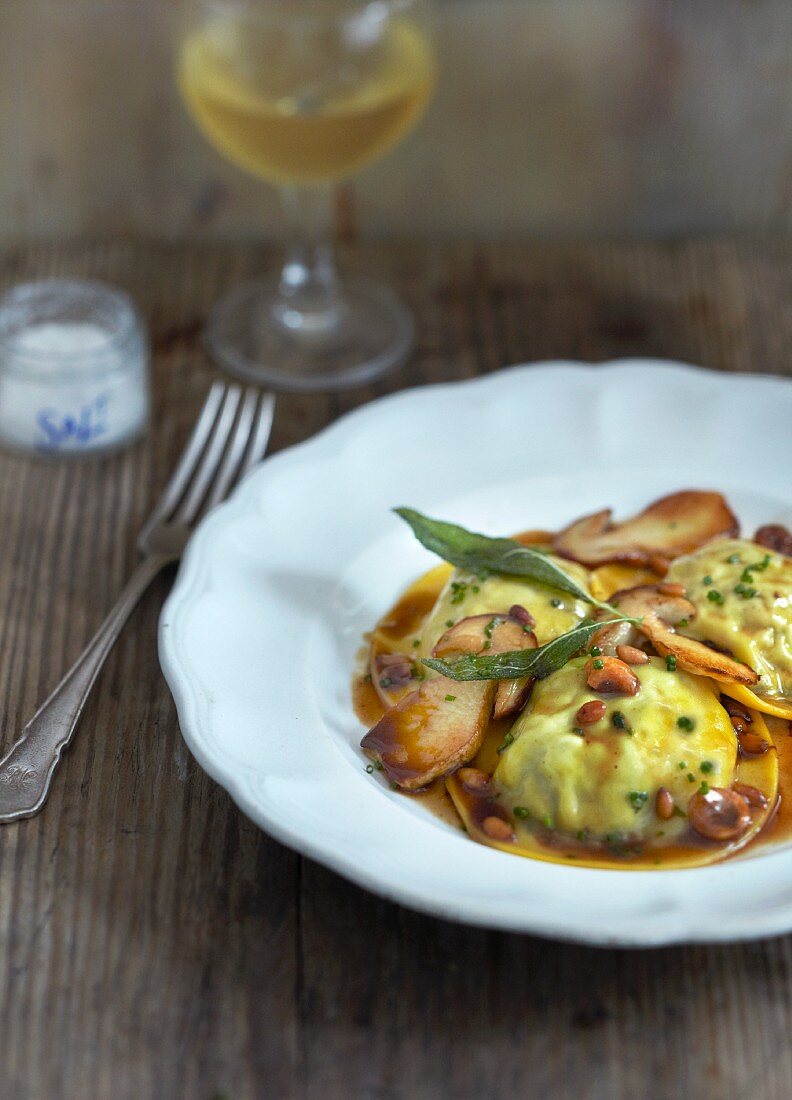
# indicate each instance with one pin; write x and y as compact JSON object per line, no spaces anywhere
{"x":153,"y":943}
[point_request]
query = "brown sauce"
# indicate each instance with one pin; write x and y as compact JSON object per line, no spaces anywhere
{"x":437,"y":799}
{"x":407,"y":616}
{"x":404,"y":620}
{"x":779,"y":828}
{"x":365,"y":700}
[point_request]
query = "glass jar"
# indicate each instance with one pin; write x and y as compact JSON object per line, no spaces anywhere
{"x":73,"y":368}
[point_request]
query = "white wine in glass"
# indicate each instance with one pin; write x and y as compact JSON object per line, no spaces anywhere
{"x":302,"y":94}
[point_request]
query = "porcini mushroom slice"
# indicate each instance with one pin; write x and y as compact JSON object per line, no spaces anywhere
{"x":775,"y":537}
{"x":512,"y":695}
{"x":659,"y":613}
{"x":432,"y":730}
{"x":673,"y":525}
{"x":392,"y":675}
{"x":492,"y":634}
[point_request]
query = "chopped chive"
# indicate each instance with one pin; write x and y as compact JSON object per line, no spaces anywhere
{"x":458,"y":591}
{"x":450,"y":698}
{"x":507,"y":740}
{"x":595,"y":651}
{"x":714,"y":596}
{"x":671,"y":662}
{"x":685,"y":723}
{"x":522,"y":812}
{"x":637,"y":799}
{"x":707,"y":579}
{"x":598,"y":664}
{"x":691,"y":777}
{"x":707,"y":766}
{"x":555,"y":602}
{"x":385,"y":682}
{"x":704,"y":787}
{"x":370,"y":768}
{"x":449,"y":623}
{"x":758,"y":566}
{"x":416,"y":643}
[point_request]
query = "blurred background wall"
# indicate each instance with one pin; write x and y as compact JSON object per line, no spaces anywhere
{"x":561,"y":117}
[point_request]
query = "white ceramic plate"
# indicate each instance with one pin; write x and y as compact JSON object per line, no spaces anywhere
{"x":258,"y":639}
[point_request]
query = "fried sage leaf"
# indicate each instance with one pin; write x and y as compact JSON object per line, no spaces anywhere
{"x":537,"y":663}
{"x":482,"y":554}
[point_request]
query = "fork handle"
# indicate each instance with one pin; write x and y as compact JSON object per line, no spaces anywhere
{"x":27,"y":769}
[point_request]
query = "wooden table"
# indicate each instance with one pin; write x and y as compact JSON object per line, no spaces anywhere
{"x":154,"y":943}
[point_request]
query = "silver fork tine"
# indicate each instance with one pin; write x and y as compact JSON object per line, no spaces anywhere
{"x":210,"y":460}
{"x":189,"y":458}
{"x":235,"y":449}
{"x":260,"y":437}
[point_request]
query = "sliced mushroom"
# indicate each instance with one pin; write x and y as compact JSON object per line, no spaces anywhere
{"x":392,"y":675}
{"x":775,"y":537}
{"x":431,"y":730}
{"x":660,"y":612}
{"x":673,"y":525}
{"x":493,"y":633}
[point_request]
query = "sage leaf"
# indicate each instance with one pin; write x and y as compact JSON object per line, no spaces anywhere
{"x":537,"y":663}
{"x":481,"y":554}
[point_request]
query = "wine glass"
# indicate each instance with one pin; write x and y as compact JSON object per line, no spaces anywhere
{"x":304,"y":93}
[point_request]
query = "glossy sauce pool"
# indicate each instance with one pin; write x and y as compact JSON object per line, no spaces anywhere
{"x":404,"y":621}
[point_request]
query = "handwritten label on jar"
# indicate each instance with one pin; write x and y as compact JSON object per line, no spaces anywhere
{"x":72,"y":431}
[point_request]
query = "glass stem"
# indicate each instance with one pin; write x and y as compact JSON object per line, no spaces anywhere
{"x":309,"y":294}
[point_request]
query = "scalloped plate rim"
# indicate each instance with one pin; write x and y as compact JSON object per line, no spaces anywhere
{"x":190,"y":697}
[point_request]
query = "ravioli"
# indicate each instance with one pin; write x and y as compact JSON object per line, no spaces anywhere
{"x":675,"y":775}
{"x":743,"y":598}
{"x":601,"y":780}
{"x":465,"y":594}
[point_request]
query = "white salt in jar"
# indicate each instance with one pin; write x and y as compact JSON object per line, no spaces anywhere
{"x":73,"y":368}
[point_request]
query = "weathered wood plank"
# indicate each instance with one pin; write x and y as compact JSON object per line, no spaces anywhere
{"x":153,"y":943}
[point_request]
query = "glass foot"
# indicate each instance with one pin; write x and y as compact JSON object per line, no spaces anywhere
{"x":254,"y":334}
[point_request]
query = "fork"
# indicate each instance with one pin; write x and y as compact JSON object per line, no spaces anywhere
{"x":229,"y":439}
